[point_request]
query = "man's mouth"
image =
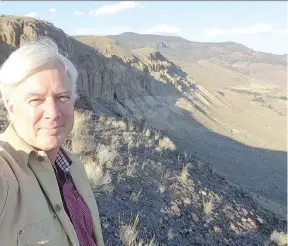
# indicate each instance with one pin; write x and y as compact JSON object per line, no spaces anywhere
{"x":52,"y":131}
{"x":51,"y":128}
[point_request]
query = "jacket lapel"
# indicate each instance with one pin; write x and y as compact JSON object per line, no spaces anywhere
{"x":45,"y":175}
{"x":84,"y":189}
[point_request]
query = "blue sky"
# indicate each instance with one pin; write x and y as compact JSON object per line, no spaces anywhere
{"x":259,"y":25}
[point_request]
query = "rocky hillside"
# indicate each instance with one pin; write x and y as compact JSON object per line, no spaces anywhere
{"x":148,"y":60}
{"x":99,"y":77}
{"x":110,"y":48}
{"x":163,"y":196}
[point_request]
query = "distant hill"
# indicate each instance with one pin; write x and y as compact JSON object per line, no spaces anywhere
{"x":226,"y":54}
{"x":228,"y":51}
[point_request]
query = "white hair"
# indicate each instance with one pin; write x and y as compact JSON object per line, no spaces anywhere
{"x":26,"y":59}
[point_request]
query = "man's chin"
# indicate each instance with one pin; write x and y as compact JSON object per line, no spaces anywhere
{"x":52,"y":142}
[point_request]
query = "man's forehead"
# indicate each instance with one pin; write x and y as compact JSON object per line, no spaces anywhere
{"x":54,"y":64}
{"x":45,"y":84}
{"x":42,"y":92}
{"x":49,"y":70}
{"x":48,"y":79}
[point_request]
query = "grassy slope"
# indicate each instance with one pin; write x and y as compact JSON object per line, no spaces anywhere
{"x":138,"y":174}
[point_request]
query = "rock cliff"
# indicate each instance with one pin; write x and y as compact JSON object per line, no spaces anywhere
{"x":99,"y":76}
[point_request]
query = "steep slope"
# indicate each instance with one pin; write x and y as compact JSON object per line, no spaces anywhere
{"x":223,"y":112}
{"x":161,"y":193}
{"x":163,"y":69}
{"x":152,"y":62}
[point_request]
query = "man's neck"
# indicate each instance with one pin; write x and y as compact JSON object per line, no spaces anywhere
{"x":52,"y":154}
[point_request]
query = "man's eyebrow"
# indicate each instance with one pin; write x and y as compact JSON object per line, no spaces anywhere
{"x":31,"y":94}
{"x":64,"y":92}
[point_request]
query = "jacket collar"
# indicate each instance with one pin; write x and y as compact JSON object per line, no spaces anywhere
{"x":17,"y":146}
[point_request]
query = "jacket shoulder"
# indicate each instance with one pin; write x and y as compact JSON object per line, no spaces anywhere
{"x":4,"y":184}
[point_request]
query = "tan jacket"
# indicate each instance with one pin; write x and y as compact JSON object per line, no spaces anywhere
{"x":31,"y":208}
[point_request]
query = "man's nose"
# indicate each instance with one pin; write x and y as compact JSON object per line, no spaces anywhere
{"x":51,"y":109}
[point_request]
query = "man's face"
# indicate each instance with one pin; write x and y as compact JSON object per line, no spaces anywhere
{"x":42,"y":108}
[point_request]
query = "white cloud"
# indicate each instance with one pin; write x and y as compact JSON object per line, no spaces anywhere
{"x":258,"y":28}
{"x":77,"y":13}
{"x":281,"y":31}
{"x":162,"y":29}
{"x":52,"y":10}
{"x":115,"y":8}
{"x":32,"y":14}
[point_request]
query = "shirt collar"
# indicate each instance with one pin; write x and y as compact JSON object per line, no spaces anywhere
{"x":62,"y":161}
{"x":67,"y":158}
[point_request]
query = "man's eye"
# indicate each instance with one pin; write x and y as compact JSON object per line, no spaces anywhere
{"x":64,"y":98}
{"x":35,"y":100}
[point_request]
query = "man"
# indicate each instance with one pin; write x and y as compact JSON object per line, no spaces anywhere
{"x":45,"y":195}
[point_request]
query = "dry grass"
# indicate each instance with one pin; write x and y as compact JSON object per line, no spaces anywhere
{"x":146,"y":132}
{"x":4,"y":117}
{"x":135,"y":196}
{"x":111,"y":121}
{"x":130,"y":125}
{"x":103,"y":156}
{"x":157,"y":135}
{"x":102,"y":119}
{"x":106,"y":155}
{"x":129,"y":233}
{"x":208,"y":206}
{"x":167,"y":144}
{"x":279,"y":238}
{"x":130,"y":142}
{"x":131,"y":166}
{"x":170,"y":234}
{"x":122,"y":125}
{"x":96,"y":174}
{"x":162,"y":188}
{"x":141,"y":243}
{"x":80,"y":140}
{"x":184,"y":175}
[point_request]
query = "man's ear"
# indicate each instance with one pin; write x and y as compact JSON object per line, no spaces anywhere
{"x":9,"y":105}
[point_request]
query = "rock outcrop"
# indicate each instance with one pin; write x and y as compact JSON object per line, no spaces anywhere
{"x":147,"y":60}
{"x":99,"y":76}
{"x":107,"y":71}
